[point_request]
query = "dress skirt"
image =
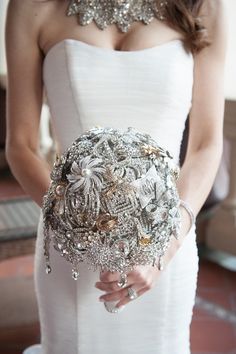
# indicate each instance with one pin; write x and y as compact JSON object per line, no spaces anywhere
{"x":73,"y":321}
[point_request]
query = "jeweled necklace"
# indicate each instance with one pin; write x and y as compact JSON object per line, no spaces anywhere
{"x":120,"y":12}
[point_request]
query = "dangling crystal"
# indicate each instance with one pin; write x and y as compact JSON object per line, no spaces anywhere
{"x":122,"y":247}
{"x":57,"y":161}
{"x":123,"y":280}
{"x":75,"y":274}
{"x":48,"y":269}
{"x":160,"y":264}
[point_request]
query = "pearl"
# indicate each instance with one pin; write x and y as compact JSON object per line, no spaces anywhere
{"x":86,"y":172}
{"x":60,"y":189}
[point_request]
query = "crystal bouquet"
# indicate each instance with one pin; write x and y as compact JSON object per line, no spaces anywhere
{"x":112,"y":202}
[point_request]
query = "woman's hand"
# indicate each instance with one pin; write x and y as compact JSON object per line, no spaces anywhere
{"x":142,"y":278}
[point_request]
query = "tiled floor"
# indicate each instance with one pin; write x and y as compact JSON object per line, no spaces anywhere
{"x":213,"y":329}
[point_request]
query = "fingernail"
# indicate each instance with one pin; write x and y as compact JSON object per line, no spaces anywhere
{"x":101,"y":299}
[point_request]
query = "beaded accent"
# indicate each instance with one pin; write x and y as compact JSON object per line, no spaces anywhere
{"x":121,"y":12}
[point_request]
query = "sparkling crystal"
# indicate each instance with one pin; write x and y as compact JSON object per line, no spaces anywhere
{"x":145,"y":240}
{"x":69,"y":234}
{"x":160,"y":264}
{"x":48,"y":269}
{"x":59,"y":245}
{"x":173,"y":211}
{"x":122,"y":13}
{"x":75,"y":274}
{"x":60,"y":189}
{"x":86,"y":172}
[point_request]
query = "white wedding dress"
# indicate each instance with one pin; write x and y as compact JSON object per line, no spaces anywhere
{"x":151,"y":90}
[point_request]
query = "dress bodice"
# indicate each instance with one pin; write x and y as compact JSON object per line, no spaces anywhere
{"x":149,"y":89}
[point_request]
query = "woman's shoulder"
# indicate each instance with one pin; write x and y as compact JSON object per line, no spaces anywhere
{"x":24,"y":21}
{"x":213,"y":15}
{"x":29,"y":15}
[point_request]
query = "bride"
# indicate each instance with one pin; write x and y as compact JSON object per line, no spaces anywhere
{"x":121,"y":63}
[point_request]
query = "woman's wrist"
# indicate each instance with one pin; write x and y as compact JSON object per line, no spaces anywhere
{"x":187,"y":218}
{"x":187,"y":221}
{"x":187,"y":207}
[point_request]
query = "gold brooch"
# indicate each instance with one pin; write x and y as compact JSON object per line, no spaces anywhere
{"x":105,"y":222}
{"x":145,"y":240}
{"x":149,"y":149}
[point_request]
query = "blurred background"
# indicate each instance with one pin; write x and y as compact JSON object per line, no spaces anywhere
{"x":213,"y":329}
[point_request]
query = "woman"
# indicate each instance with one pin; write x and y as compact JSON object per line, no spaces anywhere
{"x":146,"y":76}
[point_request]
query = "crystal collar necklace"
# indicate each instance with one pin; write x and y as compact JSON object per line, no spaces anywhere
{"x":120,"y":12}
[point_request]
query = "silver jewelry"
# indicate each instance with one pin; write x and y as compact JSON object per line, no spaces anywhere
{"x":112,"y":202}
{"x":121,"y":12}
{"x":123,"y":281}
{"x":110,"y":306}
{"x":132,"y":293}
{"x":189,"y":210}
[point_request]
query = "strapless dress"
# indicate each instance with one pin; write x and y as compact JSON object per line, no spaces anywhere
{"x":151,"y":90}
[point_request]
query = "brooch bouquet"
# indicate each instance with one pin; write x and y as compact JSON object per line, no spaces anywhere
{"x":112,"y":202}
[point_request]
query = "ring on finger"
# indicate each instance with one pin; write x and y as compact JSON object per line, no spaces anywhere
{"x":132,"y":293}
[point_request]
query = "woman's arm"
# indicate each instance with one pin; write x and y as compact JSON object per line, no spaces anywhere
{"x":24,"y":98}
{"x":206,"y":117}
{"x":203,"y":153}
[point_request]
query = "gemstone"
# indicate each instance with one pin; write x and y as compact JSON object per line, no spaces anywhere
{"x":69,"y":234}
{"x":60,"y":189}
{"x":144,"y":240}
{"x":57,"y":161}
{"x":86,"y":172}
{"x":122,"y":246}
{"x":48,"y":269}
{"x":105,"y":222}
{"x":75,"y":274}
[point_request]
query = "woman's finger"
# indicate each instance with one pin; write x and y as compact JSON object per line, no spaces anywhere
{"x":109,"y":276}
{"x":125,"y":300}
{"x":136,"y":275}
{"x":109,"y":286}
{"x":118,"y":295}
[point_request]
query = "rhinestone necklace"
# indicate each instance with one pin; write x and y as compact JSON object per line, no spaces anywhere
{"x":120,"y":12}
